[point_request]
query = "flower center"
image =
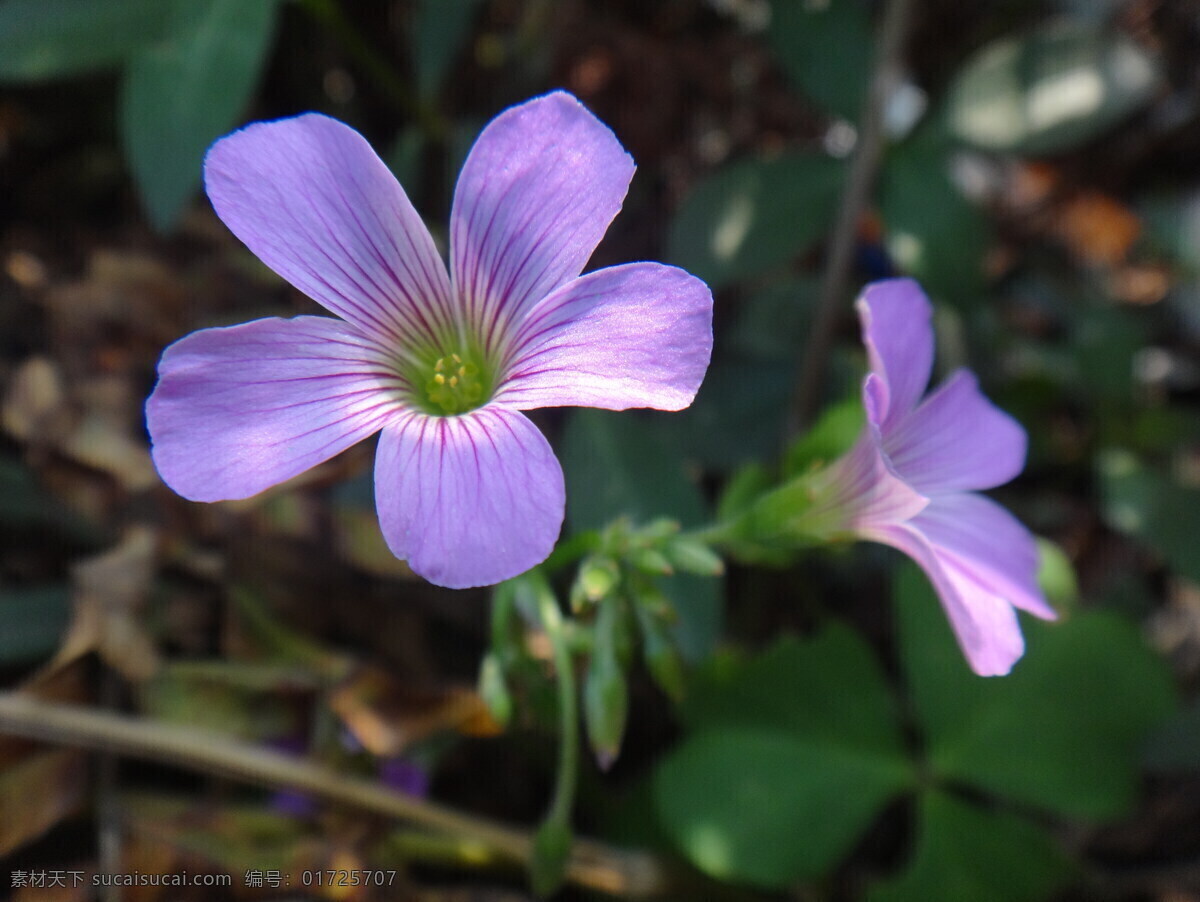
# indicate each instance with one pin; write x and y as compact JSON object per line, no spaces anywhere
{"x":455,"y":385}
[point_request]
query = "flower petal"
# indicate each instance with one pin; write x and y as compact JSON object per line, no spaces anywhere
{"x":638,"y":335}
{"x":240,"y":409}
{"x":859,"y":491}
{"x":468,"y":500}
{"x":956,"y":440}
{"x":534,"y":198}
{"x":311,"y":199}
{"x":985,"y":624}
{"x":987,"y":542}
{"x":895,"y":316}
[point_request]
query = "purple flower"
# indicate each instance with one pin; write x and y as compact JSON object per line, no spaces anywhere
{"x":910,"y":481}
{"x":441,"y":364}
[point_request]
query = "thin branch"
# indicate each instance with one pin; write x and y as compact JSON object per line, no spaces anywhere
{"x":864,"y":167}
{"x":592,"y":864}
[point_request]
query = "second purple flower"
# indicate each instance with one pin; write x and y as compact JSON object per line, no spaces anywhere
{"x":440,"y":363}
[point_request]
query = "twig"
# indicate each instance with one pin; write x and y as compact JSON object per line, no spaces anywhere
{"x":592,"y":864}
{"x":885,"y":77}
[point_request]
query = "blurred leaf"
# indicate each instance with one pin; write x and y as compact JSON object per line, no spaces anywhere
{"x":1061,"y":732}
{"x":248,"y":700}
{"x":966,"y":852}
{"x":845,"y":698}
{"x":387,"y":716}
{"x":38,"y":792}
{"x":1175,"y":745}
{"x":1056,"y":577}
{"x":826,"y":49}
{"x":32,"y":622}
{"x":802,"y":741}
{"x":186,"y":91}
{"x":1150,"y":506}
{"x":617,"y":465}
{"x":440,"y":28}
{"x":754,"y":215}
{"x":773,"y":322}
{"x":41,"y":39}
{"x":932,"y":232}
{"x":738,"y":414}
{"x":548,"y":863}
{"x":1050,"y":90}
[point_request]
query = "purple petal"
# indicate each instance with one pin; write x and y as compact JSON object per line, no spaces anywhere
{"x":469,"y":500}
{"x":956,"y":440}
{"x":859,"y":490}
{"x":895,"y":316}
{"x":312,"y":200}
{"x":534,"y":198}
{"x":638,"y":335}
{"x":240,"y":409}
{"x":990,"y":544}
{"x":984,"y":623}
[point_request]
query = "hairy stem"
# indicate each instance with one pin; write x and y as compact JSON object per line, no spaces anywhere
{"x":568,"y":709}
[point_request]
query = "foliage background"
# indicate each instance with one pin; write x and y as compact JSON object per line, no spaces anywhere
{"x":1039,"y":176}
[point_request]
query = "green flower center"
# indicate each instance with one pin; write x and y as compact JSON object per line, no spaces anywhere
{"x":454,"y":384}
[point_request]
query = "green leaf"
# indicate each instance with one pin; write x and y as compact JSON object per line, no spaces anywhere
{"x":801,"y":742}
{"x":830,"y":437}
{"x":186,"y":91}
{"x":1061,"y":732}
{"x":42,"y":39}
{"x":769,"y":807}
{"x":754,"y":215}
{"x":1175,"y":745}
{"x":845,"y":698}
{"x":826,"y":49}
{"x":1149,"y":505}
{"x":617,"y":465}
{"x":1050,"y":90}
{"x":934,"y":233}
{"x":32,"y":621}
{"x":440,"y":28}
{"x":966,"y":852}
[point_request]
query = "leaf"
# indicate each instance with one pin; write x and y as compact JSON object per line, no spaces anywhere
{"x":31,"y":622}
{"x":43,"y":39}
{"x":1151,"y":506}
{"x":1175,"y":745}
{"x":826,"y":49}
{"x":966,"y":852}
{"x":932,"y":232}
{"x":617,"y":465}
{"x":440,"y":28}
{"x":186,"y":91}
{"x":845,"y":698}
{"x":1050,"y":90}
{"x":1061,"y":732}
{"x":38,"y":792}
{"x":802,"y":741}
{"x":754,"y":215}
{"x":766,"y":806}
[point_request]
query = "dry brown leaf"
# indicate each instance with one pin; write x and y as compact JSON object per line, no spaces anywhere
{"x":110,"y":591}
{"x":35,"y":405}
{"x":387,"y":717}
{"x":37,"y":793}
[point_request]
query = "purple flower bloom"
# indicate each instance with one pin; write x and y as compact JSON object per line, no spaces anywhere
{"x":910,"y":481}
{"x":441,"y":364}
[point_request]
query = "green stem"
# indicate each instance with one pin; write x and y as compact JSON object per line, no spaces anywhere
{"x":568,"y":708}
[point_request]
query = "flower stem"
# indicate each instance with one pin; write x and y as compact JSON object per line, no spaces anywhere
{"x":624,"y":873}
{"x":568,"y":708}
{"x":885,"y":76}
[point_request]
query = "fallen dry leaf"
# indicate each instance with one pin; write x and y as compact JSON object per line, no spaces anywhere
{"x":38,"y":792}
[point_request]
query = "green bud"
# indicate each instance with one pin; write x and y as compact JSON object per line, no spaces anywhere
{"x":598,"y":577}
{"x":657,"y":530}
{"x":693,"y":556}
{"x":493,"y":689}
{"x":551,"y":851}
{"x":661,"y":656}
{"x":605,"y":707}
{"x":651,"y":560}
